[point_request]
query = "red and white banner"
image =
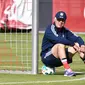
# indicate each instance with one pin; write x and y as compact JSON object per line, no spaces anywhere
{"x":16,"y":13}
{"x":75,"y":10}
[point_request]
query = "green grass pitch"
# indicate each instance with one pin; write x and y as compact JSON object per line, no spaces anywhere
{"x":39,"y":79}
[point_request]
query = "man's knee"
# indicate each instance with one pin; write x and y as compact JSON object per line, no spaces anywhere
{"x":61,"y":45}
{"x":56,"y":48}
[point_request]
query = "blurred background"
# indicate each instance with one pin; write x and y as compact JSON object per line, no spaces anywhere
{"x":21,"y":18}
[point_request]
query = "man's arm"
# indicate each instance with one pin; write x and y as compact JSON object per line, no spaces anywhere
{"x":74,"y":38}
{"x":52,"y":36}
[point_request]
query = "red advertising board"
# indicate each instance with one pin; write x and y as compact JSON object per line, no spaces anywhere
{"x":75,"y":10}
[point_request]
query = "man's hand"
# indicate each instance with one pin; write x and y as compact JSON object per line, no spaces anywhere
{"x":79,"y":48}
{"x":82,"y":48}
{"x":76,"y":47}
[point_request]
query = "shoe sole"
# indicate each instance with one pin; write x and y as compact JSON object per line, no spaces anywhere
{"x":70,"y":75}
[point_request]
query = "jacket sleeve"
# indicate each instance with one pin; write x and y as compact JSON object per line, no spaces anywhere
{"x":54,"y":38}
{"x":74,"y":38}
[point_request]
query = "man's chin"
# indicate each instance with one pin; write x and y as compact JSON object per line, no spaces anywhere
{"x":59,"y":27}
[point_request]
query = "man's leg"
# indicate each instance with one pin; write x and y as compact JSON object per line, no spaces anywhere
{"x":59,"y":52}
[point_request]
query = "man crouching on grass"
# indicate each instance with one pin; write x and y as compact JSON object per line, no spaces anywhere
{"x":59,"y":45}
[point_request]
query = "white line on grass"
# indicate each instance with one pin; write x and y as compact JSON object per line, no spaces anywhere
{"x":32,"y":82}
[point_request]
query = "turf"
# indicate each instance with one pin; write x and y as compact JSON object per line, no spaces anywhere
{"x":39,"y":79}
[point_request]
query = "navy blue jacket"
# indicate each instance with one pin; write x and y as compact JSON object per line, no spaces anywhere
{"x":53,"y":35}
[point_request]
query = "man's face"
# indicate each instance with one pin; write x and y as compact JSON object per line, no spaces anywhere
{"x":59,"y":23}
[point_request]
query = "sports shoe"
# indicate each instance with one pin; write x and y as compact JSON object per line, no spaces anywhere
{"x":67,"y":73}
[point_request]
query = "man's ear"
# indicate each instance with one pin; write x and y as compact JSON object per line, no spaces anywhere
{"x":54,"y":18}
